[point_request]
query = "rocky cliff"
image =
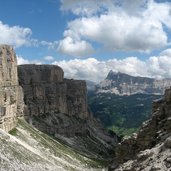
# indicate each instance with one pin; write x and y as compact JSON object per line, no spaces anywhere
{"x":124,"y":84}
{"x":150,"y":148}
{"x":58,"y":106}
{"x":46,"y":91}
{"x":11,"y":95}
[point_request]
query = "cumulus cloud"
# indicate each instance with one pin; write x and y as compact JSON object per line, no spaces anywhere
{"x":85,"y":7}
{"x":50,"y":45}
{"x":95,"y":70}
{"x":117,"y":25}
{"x":81,"y":69}
{"x":16,"y":36}
{"x":90,"y":7}
{"x":166,"y":52}
{"x":76,"y":48}
{"x":21,"y":61}
{"x":49,"y":58}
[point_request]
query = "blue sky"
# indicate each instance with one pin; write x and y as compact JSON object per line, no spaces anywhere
{"x":88,"y":38}
{"x":43,"y":17}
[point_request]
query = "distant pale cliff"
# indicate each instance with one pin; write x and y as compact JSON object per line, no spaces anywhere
{"x":124,"y":84}
{"x":11,"y":94}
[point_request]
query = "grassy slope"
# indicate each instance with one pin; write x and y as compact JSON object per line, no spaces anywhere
{"x":29,"y":149}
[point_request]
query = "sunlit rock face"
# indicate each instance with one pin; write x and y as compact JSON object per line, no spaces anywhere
{"x":11,"y":94}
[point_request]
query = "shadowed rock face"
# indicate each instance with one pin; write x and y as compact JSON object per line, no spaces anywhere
{"x":11,"y":95}
{"x":46,"y":91}
{"x":58,"y":107}
{"x":40,"y":74}
{"x":51,"y":98}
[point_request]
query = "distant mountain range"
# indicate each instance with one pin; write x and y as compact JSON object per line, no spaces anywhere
{"x":122,"y":102}
{"x":123,"y":84}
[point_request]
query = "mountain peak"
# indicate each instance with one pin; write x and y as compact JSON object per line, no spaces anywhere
{"x":113,"y":75}
{"x":124,"y":84}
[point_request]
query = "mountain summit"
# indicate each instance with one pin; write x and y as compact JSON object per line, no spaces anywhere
{"x":124,"y":84}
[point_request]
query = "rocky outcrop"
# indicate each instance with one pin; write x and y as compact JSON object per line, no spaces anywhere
{"x":58,"y":106}
{"x":124,"y":84}
{"x":11,"y":94}
{"x":150,"y":148}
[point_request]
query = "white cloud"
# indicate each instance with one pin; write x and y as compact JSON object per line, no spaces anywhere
{"x":85,"y":7}
{"x":49,"y":58}
{"x":21,"y":61}
{"x":166,"y":52}
{"x":159,"y":66}
{"x":76,"y":48}
{"x":50,"y":45}
{"x":90,"y":7}
{"x":16,"y":36}
{"x":117,"y":25}
{"x":95,"y":70}
{"x":81,"y":69}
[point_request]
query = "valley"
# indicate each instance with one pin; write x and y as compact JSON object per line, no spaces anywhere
{"x":122,"y":114}
{"x":123,"y":102}
{"x":85,"y":85}
{"x":46,"y":124}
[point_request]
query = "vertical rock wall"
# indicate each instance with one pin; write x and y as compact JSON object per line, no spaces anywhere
{"x":46,"y":91}
{"x":58,"y":106}
{"x":11,"y":94}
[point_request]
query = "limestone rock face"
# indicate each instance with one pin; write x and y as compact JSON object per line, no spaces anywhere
{"x":11,"y":94}
{"x":76,"y":98}
{"x":58,"y":106}
{"x":46,"y":91}
{"x":150,"y":148}
{"x":40,"y":74}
